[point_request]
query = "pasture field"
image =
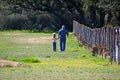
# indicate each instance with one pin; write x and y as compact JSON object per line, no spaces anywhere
{"x":35,"y":51}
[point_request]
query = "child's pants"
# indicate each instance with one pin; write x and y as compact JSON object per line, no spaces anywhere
{"x":54,"y":46}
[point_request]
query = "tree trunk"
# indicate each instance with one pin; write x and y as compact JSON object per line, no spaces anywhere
{"x":102,"y":17}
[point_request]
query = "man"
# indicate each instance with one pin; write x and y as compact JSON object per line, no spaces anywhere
{"x":62,"y":35}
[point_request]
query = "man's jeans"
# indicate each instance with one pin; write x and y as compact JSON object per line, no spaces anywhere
{"x":62,"y":44}
{"x":54,"y":46}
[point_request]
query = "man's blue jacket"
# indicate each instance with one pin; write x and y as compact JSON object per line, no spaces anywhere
{"x":63,"y":34}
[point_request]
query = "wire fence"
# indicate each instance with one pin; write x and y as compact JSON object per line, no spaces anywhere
{"x":104,"y":41}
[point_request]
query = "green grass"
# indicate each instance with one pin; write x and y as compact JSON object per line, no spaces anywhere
{"x":76,"y":63}
{"x":30,"y":60}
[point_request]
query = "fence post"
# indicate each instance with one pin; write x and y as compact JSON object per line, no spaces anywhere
{"x":118,"y":46}
{"x":118,"y":52}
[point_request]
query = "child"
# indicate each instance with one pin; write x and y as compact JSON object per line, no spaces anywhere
{"x":54,"y":38}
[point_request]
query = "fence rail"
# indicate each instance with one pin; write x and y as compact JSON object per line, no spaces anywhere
{"x":106,"y":39}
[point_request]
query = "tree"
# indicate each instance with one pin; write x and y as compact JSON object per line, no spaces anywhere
{"x":90,"y":9}
{"x":112,"y":7}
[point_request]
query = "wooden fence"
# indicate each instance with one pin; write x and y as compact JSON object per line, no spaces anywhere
{"x":106,"y":39}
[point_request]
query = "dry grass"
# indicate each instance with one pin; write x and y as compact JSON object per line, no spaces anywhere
{"x":29,"y":40}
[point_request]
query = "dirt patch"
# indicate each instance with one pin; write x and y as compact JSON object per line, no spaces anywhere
{"x":29,"y":40}
{"x":6,"y":63}
{"x":16,"y":34}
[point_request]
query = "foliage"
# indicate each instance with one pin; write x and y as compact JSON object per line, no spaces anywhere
{"x":51,"y":14}
{"x":112,"y":9}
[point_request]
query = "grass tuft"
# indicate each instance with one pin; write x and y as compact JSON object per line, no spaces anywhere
{"x":30,"y":60}
{"x":12,"y":58}
{"x":83,"y":56}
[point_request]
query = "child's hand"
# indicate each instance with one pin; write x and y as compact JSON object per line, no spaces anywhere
{"x":58,"y":38}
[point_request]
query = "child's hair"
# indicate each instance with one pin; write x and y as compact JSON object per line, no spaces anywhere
{"x":54,"y":35}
